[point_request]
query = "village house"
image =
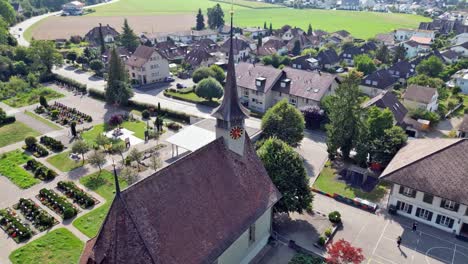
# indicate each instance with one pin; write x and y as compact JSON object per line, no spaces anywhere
{"x":462,"y":130}
{"x":305,"y":62}
{"x":109,"y":34}
{"x":123,"y":53}
{"x":171,"y":51}
{"x":417,"y":96}
{"x":220,"y":212}
{"x":154,"y":38}
{"x":272,"y":45}
{"x":255,"y":32}
{"x":428,"y":179}
{"x":347,"y":56}
{"x":402,"y":70}
{"x":377,"y":82}
{"x":328,"y":59}
{"x":74,"y":8}
{"x":260,"y":87}
{"x":241,"y":49}
{"x":450,"y":56}
{"x":386,"y":39}
{"x":343,"y":35}
{"x":460,"y":79}
{"x":461,"y":49}
{"x":459,"y":39}
{"x":18,"y":8}
{"x":303,"y":40}
{"x":199,"y":57}
{"x":404,"y":34}
{"x":292,"y":33}
{"x":387,"y":100}
{"x":147,"y":65}
{"x":349,"y":5}
{"x":413,"y":48}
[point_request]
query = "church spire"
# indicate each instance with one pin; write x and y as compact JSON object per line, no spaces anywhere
{"x":230,"y":108}
{"x":116,"y":179}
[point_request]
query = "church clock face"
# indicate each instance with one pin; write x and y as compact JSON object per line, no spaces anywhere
{"x":236,"y":132}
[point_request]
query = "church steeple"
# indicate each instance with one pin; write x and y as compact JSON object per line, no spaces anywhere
{"x":230,"y":115}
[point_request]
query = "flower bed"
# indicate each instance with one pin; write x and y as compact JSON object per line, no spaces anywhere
{"x":63,"y":114}
{"x":52,"y":143}
{"x":79,"y":197}
{"x":40,"y":171}
{"x":13,"y":226}
{"x":37,"y":150}
{"x":57,"y":203}
{"x":32,"y":212}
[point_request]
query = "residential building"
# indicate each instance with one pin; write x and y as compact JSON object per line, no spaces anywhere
{"x":428,"y":179}
{"x":305,"y":62}
{"x":123,"y":53}
{"x":261,"y":87}
{"x":450,"y":56}
{"x":93,"y":36}
{"x":74,"y":8}
{"x":417,"y":96}
{"x":304,"y":42}
{"x":413,"y":48}
{"x":422,"y":40}
{"x":199,"y":57}
{"x":348,"y":54}
{"x":404,"y":34}
{"x":461,"y":49}
{"x":462,"y":130}
{"x":272,"y":45}
{"x":328,"y":59}
{"x":402,"y":70}
{"x":459,"y":39}
{"x":17,"y":7}
{"x":376,"y":82}
{"x":460,"y":79}
{"x":387,"y":39}
{"x":349,"y":5}
{"x":255,"y":32}
{"x":171,"y":51}
{"x":292,"y":33}
{"x":241,"y":49}
{"x":220,"y":212}
{"x":147,"y":65}
{"x":387,"y":100}
{"x":343,"y":35}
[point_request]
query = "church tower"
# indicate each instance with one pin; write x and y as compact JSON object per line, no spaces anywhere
{"x":230,"y":115}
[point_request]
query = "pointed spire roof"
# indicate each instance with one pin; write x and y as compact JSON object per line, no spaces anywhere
{"x":231,"y":108}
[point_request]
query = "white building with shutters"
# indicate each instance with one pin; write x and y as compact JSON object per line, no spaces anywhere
{"x":428,"y":179}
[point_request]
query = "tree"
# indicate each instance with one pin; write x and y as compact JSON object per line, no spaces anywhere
{"x":285,"y":122}
{"x":270,"y":31}
{"x":345,"y":116}
{"x":309,"y":30}
{"x":44,"y":55}
{"x":310,"y":51}
{"x":128,"y":38}
{"x":73,"y":129}
{"x":424,"y":80}
{"x":431,"y":67}
{"x":209,"y":88}
{"x":97,"y":159}
{"x":43,"y":101}
{"x":202,"y":73}
{"x":215,"y":17}
{"x":296,"y":50}
{"x":120,"y":149}
{"x":80,"y":147}
{"x":155,"y":161}
{"x":383,"y":54}
{"x":200,"y":20}
{"x":129,"y":174}
{"x":286,"y":169}
{"x":96,"y":65}
{"x":218,"y":73}
{"x":118,"y":90}
{"x":364,"y":64}
{"x":30,"y":142}
{"x":313,"y":117}
{"x":384,"y":149}
{"x":101,"y":40}
{"x":400,"y":54}
{"x":379,"y":121}
{"x":264,"y":25}
{"x":135,"y":155}
{"x":7,"y":12}
{"x":101,"y":140}
{"x":72,"y":56}
{"x":276,"y":60}
{"x":259,"y":42}
{"x":342,"y":252}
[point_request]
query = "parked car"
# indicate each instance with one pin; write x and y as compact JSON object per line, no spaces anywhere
{"x":181,"y":85}
{"x":169,"y":79}
{"x":339,"y":70}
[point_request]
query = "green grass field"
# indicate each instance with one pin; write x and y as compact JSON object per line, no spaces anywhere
{"x":43,"y":120}
{"x":57,"y":247}
{"x":32,"y":97}
{"x":360,"y":24}
{"x":15,"y":132}
{"x":103,"y":185}
{"x":136,"y":126}
{"x":10,"y":167}
{"x":63,"y":162}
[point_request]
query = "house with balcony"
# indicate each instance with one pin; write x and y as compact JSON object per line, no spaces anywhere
{"x":417,"y":96}
{"x":260,"y":87}
{"x":428,"y":178}
{"x":147,"y":65}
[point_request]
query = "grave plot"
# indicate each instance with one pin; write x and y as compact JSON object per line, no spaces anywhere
{"x":32,"y":212}
{"x":57,"y":203}
{"x":63,"y":114}
{"x":80,"y":197}
{"x":13,"y":226}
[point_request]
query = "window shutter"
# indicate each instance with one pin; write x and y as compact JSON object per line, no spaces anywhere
{"x":438,"y":219}
{"x":398,"y":205}
{"x":451,"y":223}
{"x":410,"y":209}
{"x":401,"y":189}
{"x":429,"y":216}
{"x":418,"y":211}
{"x":457,"y":206}
{"x":442,"y":203}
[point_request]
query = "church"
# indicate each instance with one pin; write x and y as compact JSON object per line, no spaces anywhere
{"x":212,"y":206}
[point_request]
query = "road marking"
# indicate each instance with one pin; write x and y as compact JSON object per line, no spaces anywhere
{"x":386,"y":259}
{"x":454,"y":250}
{"x":380,"y":238}
{"x":441,"y":239}
{"x":359,"y":233}
{"x":432,"y":256}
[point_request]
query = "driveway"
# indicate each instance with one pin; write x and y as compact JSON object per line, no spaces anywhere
{"x":313,"y":150}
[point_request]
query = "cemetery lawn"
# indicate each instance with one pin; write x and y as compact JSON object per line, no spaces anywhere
{"x":43,"y":120}
{"x":63,"y":162}
{"x":32,"y":97}
{"x":103,"y":185}
{"x":327,"y":182}
{"x":14,"y":132}
{"x":138,"y":127}
{"x":11,"y":167}
{"x":57,"y":247}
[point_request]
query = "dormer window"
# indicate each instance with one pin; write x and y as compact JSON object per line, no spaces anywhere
{"x":285,"y":83}
{"x":260,"y":81}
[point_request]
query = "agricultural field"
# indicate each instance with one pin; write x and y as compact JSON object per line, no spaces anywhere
{"x":176,"y":15}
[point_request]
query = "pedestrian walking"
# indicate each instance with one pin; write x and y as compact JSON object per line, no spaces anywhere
{"x":398,"y":241}
{"x":415,"y":225}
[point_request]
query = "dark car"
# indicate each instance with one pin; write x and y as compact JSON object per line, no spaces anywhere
{"x":169,"y":79}
{"x":180,"y":85}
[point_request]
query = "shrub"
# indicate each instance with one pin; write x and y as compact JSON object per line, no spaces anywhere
{"x":43,"y":101}
{"x":328,"y":232}
{"x":52,"y":143}
{"x":145,"y":114}
{"x":54,"y":114}
{"x":68,"y":212}
{"x":30,"y":142}
{"x":334,"y":217}
{"x":321,"y":240}
{"x":115,"y":120}
{"x":174,"y":126}
{"x":40,"y":151}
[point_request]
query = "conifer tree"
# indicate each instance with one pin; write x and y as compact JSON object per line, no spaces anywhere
{"x":101,"y":40}
{"x":309,"y":30}
{"x":118,"y":90}
{"x":128,"y":38}
{"x":200,"y":20}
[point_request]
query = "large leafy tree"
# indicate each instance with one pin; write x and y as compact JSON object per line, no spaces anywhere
{"x":276,"y":60}
{"x":400,"y":54}
{"x":7,"y":12}
{"x":118,"y":90}
{"x":218,"y":73}
{"x":80,"y":147}
{"x":424,"y":80}
{"x":385,"y":147}
{"x":128,"y":38}
{"x":285,"y":122}
{"x":200,"y":20}
{"x":383,"y":54}
{"x":286,"y":170}
{"x":342,"y":252}
{"x":215,"y":17}
{"x":345,"y":115}
{"x":209,"y":88}
{"x":44,"y":55}
{"x":364,"y":64}
{"x":431,"y":67}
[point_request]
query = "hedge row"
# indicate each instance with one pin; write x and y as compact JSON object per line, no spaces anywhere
{"x":66,"y":81}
